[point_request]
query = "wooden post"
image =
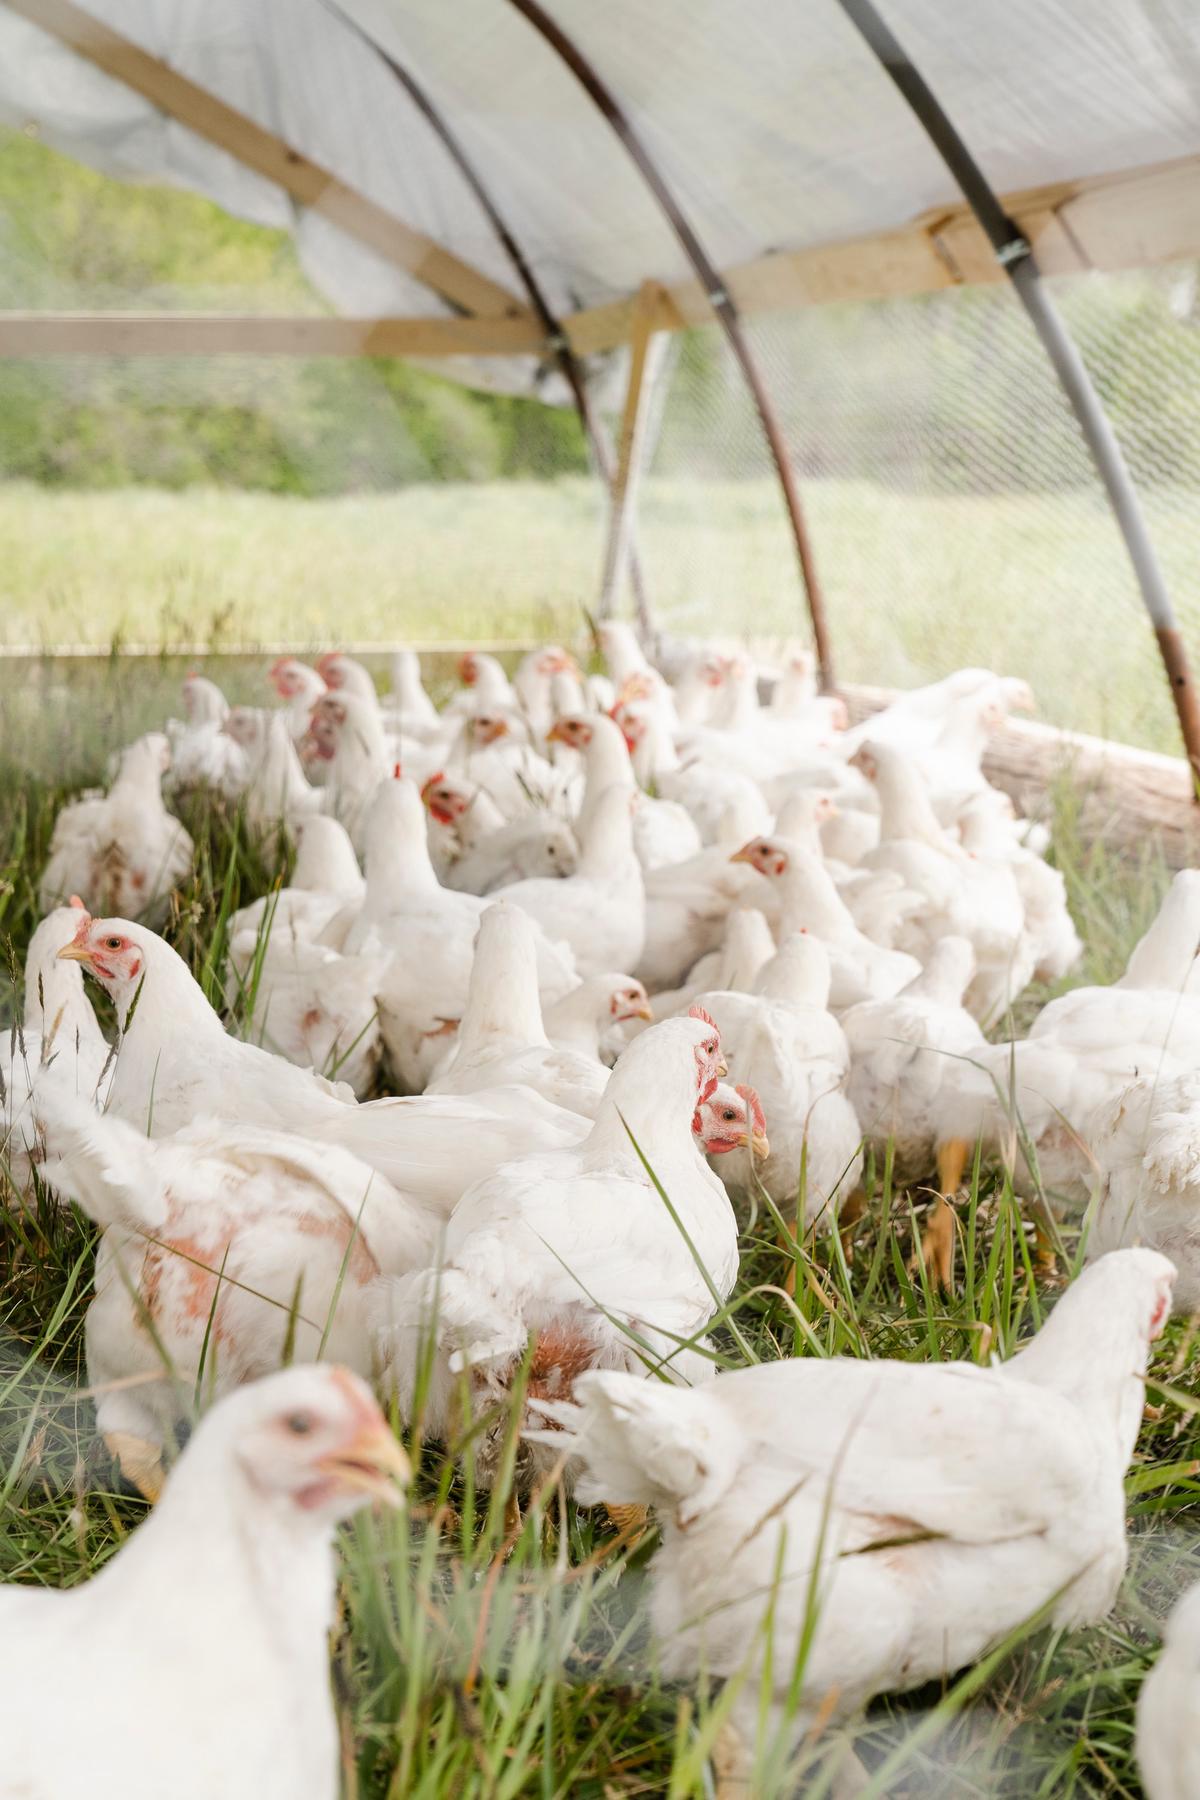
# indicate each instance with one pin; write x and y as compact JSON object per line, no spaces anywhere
{"x":643,"y":325}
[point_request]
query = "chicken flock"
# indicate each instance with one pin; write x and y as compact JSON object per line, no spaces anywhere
{"x":569,"y":976}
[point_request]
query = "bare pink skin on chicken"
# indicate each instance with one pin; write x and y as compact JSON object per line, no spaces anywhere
{"x":331,"y":669}
{"x":710,"y":1064}
{"x":324,"y":729}
{"x":573,"y":731}
{"x":112,"y":957}
{"x":487,"y":728}
{"x":630,"y":1002}
{"x":764,"y":854}
{"x":554,"y":661}
{"x":468,"y":669}
{"x":633,"y":725}
{"x":287,"y":677}
{"x":733,"y":1119}
{"x":444,"y":800}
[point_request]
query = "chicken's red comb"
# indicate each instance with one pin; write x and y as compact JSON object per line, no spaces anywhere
{"x":76,"y":901}
{"x":754,"y":1106}
{"x":397,"y":772}
{"x":698,"y":1012}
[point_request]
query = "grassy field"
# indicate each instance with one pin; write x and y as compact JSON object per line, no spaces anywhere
{"x":916,"y":585}
{"x":461,"y":1670}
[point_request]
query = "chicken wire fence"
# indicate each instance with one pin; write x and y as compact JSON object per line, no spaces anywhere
{"x":955,"y":513}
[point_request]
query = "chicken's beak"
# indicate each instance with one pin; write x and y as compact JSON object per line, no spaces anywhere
{"x":743,"y":855}
{"x":371,"y":1462}
{"x":759,"y":1145}
{"x":722,"y":1068}
{"x":74,"y":952}
{"x":642,"y":1012}
{"x":556,"y":734}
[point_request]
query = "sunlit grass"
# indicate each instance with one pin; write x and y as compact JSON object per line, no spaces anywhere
{"x":915,"y":583}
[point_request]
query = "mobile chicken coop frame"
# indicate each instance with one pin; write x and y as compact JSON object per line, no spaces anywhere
{"x":521,"y":191}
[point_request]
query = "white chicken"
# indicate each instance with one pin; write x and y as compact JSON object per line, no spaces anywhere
{"x":903,"y":1049}
{"x":178,"y":1064}
{"x":59,"y":1039}
{"x":1168,"y":1739}
{"x":308,"y":1003}
{"x":301,"y":688}
{"x":782,"y":1041}
{"x":1146,"y":1144}
{"x":586,"y":1018}
{"x":431,"y":932}
{"x":415,"y":714}
{"x":346,"y":733}
{"x":325,"y":881}
{"x":808,"y":901}
{"x":923,"y":1511}
{"x":965,"y":893}
{"x":226,"y":1251}
{"x":122,"y":851}
{"x":277,"y":791}
{"x":704,"y":787}
{"x":663,"y":832}
{"x":600,"y":910}
{"x":501,"y":1038}
{"x":202,"y":755}
{"x":578,"y":1251}
{"x":476,"y":849}
{"x":234,"y":1698}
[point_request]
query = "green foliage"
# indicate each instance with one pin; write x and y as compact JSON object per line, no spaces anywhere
{"x":72,"y":238}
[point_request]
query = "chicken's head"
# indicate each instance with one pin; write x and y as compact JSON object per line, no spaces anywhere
{"x":112,"y":950}
{"x":629,"y":1000}
{"x":331,"y":667}
{"x":289,"y":677}
{"x":643,"y":684}
{"x":307,"y":1441}
{"x":324,"y":732}
{"x":573,"y":730}
{"x":765,"y":854}
{"x":712,"y":669}
{"x":732,"y":1118}
{"x":866,"y":762}
{"x":246,"y":725}
{"x":444,"y":799}
{"x":555,"y":661}
{"x":824,"y":807}
{"x":633,"y":722}
{"x":709,"y":1061}
{"x":468,"y":669}
{"x":485,"y":729}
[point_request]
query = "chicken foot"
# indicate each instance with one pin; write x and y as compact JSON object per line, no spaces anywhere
{"x":936,"y":1251}
{"x":140,"y":1462}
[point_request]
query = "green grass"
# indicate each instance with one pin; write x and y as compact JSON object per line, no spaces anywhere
{"x":461,"y":1671}
{"x":916,"y":584}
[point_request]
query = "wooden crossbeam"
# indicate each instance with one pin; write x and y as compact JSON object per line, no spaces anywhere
{"x":1134,"y":219}
{"x":308,"y":182}
{"x":217,"y":334}
{"x":645,"y":322}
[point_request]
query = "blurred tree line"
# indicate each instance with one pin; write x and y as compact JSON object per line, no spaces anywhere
{"x":934,"y":392}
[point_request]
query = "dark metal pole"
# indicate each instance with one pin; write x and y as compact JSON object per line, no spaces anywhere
{"x":1015,"y":256}
{"x":568,"y":363}
{"x":718,"y":298}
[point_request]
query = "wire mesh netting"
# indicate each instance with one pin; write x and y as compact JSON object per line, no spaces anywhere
{"x":956,"y":514}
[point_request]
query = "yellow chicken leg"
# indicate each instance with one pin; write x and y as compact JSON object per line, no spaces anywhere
{"x":629,"y":1519}
{"x":731,"y":1765}
{"x":140,"y":1462}
{"x":937,"y":1247}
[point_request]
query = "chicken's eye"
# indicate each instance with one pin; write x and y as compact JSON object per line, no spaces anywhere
{"x":112,"y":943}
{"x":729,"y":1115}
{"x":299,"y":1423}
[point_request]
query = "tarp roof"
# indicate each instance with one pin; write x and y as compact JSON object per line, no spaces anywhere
{"x":769,"y":119}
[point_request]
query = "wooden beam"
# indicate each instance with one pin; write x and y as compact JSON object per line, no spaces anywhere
{"x":306,"y":181}
{"x":644,"y":322}
{"x":1129,"y":220}
{"x":217,"y":334}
